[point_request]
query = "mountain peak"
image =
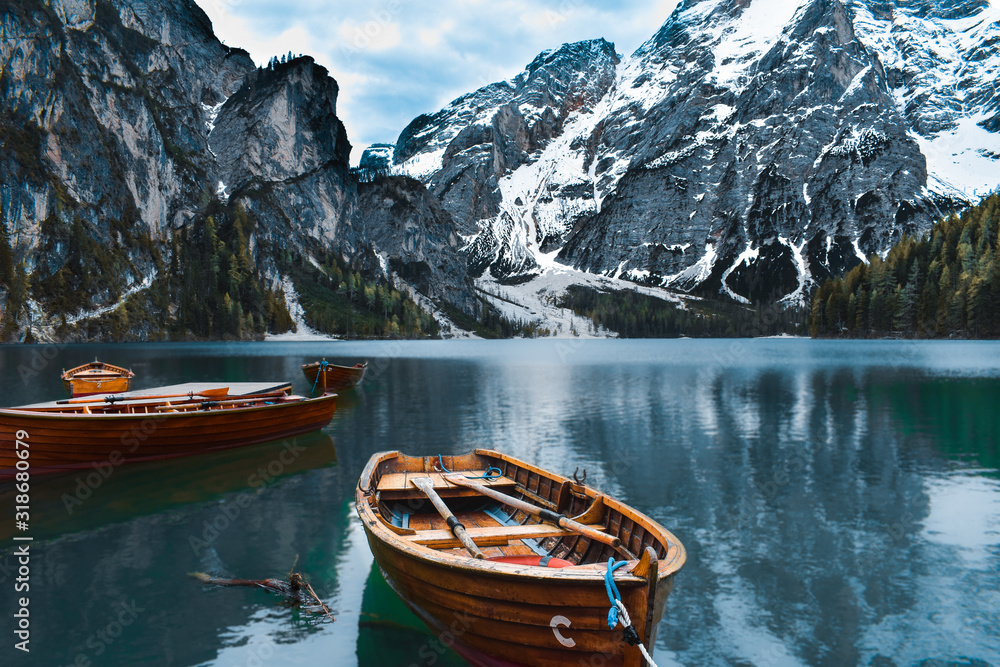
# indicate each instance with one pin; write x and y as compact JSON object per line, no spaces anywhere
{"x":282,"y":123}
{"x":941,"y":9}
{"x":783,"y":137}
{"x":572,"y":52}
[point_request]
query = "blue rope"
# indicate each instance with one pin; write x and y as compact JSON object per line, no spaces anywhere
{"x":322,"y":367}
{"x":612,"y":589}
{"x":491,"y":472}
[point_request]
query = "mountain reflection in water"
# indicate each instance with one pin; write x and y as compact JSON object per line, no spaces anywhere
{"x":839,"y":500}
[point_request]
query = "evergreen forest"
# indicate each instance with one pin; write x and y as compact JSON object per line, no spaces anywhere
{"x":636,"y":315}
{"x":945,"y":284}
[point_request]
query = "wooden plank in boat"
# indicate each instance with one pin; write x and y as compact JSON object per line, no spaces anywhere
{"x":398,"y":485}
{"x":236,"y":389}
{"x":490,"y":536}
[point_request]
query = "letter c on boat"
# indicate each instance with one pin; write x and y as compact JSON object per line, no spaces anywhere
{"x":556,"y":623}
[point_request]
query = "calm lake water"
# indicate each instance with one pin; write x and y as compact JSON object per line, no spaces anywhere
{"x":839,"y":501}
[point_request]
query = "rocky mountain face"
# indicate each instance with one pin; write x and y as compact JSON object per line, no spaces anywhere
{"x":103,"y":128}
{"x":281,"y":149}
{"x":407,"y":225}
{"x":121,"y":120}
{"x":750,"y":147}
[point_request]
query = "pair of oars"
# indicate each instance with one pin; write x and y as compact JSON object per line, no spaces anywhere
{"x":458,"y":530}
{"x":220,"y":392}
{"x":231,"y":402}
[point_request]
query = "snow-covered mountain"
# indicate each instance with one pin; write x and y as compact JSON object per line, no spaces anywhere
{"x":750,"y":146}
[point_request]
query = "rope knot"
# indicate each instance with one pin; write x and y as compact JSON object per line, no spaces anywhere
{"x":630,"y":635}
{"x":491,"y":473}
{"x":322,"y":369}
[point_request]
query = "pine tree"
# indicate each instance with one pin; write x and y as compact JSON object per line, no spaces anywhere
{"x":6,"y":256}
{"x":906,"y":303}
{"x":943,"y":284}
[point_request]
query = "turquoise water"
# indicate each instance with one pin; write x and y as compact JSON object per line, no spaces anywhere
{"x":839,"y":500}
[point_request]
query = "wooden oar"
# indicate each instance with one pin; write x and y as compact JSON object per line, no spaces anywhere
{"x":544,"y":514}
{"x":427,"y":486}
{"x":205,"y":393}
{"x":201,"y":405}
{"x":247,"y":398}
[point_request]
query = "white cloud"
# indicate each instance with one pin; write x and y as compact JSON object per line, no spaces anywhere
{"x":395,"y":60}
{"x":371,"y":35}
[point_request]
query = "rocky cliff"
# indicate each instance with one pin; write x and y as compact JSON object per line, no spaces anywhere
{"x":124,"y":122}
{"x":748,"y":148}
{"x":103,"y":135}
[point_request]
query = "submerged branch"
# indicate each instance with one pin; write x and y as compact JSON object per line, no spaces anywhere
{"x":296,"y":591}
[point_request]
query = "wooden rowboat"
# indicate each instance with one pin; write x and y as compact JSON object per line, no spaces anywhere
{"x":537,"y":596}
{"x":97,"y":377}
{"x":324,"y":376}
{"x":106,"y":431}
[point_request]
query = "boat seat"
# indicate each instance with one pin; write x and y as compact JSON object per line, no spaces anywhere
{"x":489,"y":536}
{"x":399,"y":485}
{"x":496,"y":513}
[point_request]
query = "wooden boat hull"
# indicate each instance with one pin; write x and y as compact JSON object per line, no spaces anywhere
{"x":90,"y":386}
{"x":504,"y":615}
{"x":96,"y":378}
{"x":332,"y":377}
{"x":74,"y":441}
{"x":504,"y":622}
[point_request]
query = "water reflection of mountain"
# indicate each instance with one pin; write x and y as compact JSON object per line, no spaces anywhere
{"x":103,"y":495}
{"x":832,"y":497}
{"x":82,"y":582}
{"x":950,"y":417}
{"x":801,"y":497}
{"x":802,"y":490}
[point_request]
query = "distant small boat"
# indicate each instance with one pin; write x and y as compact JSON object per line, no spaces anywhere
{"x":324,"y":376}
{"x":512,"y":591}
{"x":97,"y":377}
{"x":159,"y":423}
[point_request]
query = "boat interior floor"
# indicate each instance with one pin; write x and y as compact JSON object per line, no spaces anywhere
{"x":488,"y":518}
{"x":499,"y":531}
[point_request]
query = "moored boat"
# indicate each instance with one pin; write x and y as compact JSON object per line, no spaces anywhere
{"x":324,"y":376}
{"x":466,"y":551}
{"x":97,"y":377}
{"x":164,"y":422}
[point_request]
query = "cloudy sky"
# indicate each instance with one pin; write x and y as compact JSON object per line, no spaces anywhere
{"x":396,"y":59}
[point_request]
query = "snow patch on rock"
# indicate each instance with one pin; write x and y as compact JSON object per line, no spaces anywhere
{"x":302,"y":331}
